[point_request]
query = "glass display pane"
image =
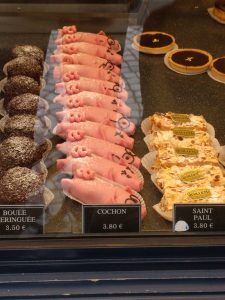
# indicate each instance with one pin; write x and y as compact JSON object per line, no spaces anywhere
{"x":123,"y":109}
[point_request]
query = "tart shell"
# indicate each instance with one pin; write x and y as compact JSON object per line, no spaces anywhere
{"x":188,"y":69}
{"x":150,"y":50}
{"x":216,"y":73}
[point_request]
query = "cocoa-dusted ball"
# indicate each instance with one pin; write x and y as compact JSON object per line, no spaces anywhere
{"x":28,"y":51}
{"x":18,"y":85}
{"x":26,"y":66}
{"x":20,"y":151}
{"x":25,"y":125}
{"x":24,"y":104}
{"x":21,"y":185}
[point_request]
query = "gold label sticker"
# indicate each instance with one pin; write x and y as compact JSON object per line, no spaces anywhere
{"x":183,"y":132}
{"x":192,"y":175}
{"x":186,"y":151}
{"x":181,"y":118}
{"x":199,"y":193}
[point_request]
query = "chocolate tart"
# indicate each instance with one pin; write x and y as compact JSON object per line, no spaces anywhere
{"x":21,"y":151}
{"x":217,"y":68}
{"x":189,"y":61}
{"x":219,"y":10}
{"x":21,"y":185}
{"x":18,"y":85}
{"x":153,"y":42}
{"x":28,"y":51}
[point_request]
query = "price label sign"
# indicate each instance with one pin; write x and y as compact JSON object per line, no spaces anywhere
{"x":199,"y":218}
{"x":21,"y":219}
{"x":111,"y":218}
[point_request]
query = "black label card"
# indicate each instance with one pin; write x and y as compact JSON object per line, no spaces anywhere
{"x":198,"y":217}
{"x":111,"y":218}
{"x":21,"y":219}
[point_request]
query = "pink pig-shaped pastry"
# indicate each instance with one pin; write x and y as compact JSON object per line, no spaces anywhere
{"x":87,"y":188}
{"x":99,"y":115}
{"x":113,"y":152}
{"x":63,"y":72}
{"x":98,"y":39}
{"x":91,"y":49}
{"x":78,"y":84}
{"x":97,"y":130}
{"x":81,"y":158}
{"x":85,"y":59}
{"x":93,"y":99}
{"x":66,"y":30}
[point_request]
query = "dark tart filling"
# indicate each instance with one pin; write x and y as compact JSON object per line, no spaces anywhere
{"x":219,"y":65}
{"x":190,"y":58}
{"x":220,"y":4}
{"x":157,"y":40}
{"x":19,"y":185}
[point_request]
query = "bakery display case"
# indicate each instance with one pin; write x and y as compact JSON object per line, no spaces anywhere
{"x":112,"y":117}
{"x":112,"y":148}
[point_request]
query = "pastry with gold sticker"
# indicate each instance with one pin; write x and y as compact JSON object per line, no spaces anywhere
{"x":170,"y":120}
{"x":188,"y":61}
{"x":183,"y":156}
{"x":217,"y":69}
{"x":205,"y":194}
{"x":178,"y":137}
{"x":154,"y":42}
{"x":188,"y":176}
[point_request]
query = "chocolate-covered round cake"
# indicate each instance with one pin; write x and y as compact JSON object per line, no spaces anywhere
{"x":20,"y":151}
{"x":217,"y":68}
{"x":219,"y":10}
{"x":154,"y":42}
{"x":189,"y":61}
{"x":25,"y":125}
{"x":21,"y":185}
{"x":18,"y":85}
{"x":26,"y":66}
{"x":24,"y":104}
{"x":28,"y":51}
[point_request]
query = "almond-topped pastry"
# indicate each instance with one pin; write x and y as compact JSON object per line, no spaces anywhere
{"x":188,"y":176}
{"x":217,"y":68}
{"x":182,"y":156}
{"x":205,"y":194}
{"x":189,"y":61}
{"x":154,"y":42}
{"x":178,"y":137}
{"x":169,"y":120}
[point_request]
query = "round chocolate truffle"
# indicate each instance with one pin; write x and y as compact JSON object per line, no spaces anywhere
{"x":28,"y":51}
{"x":20,"y":151}
{"x":18,"y":85}
{"x":25,"y":125}
{"x":26,"y":66}
{"x":21,"y":185}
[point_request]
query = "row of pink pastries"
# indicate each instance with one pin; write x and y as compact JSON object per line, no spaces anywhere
{"x":98,"y":143}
